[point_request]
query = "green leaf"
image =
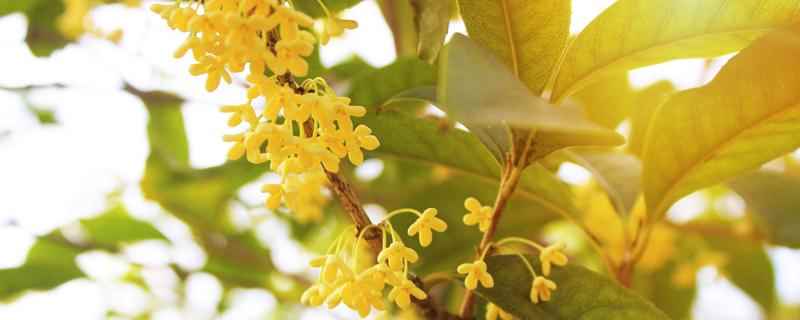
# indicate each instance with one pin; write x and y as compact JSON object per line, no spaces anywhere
{"x":313,"y":9}
{"x":659,"y":288}
{"x":432,"y":18}
{"x":373,"y":88}
{"x":704,"y":136}
{"x":772,"y":198}
{"x":399,"y":16}
{"x":609,"y":101}
{"x":44,"y":115}
{"x":647,"y":102}
{"x":581,"y":294}
{"x":165,"y":129}
{"x":637,"y":33}
{"x":115,"y":227}
{"x":43,"y":35}
{"x":617,"y":173}
{"x":477,"y":102}
{"x":749,"y":268}
{"x":528,"y":36}
{"x":350,"y":68}
{"x":24,"y":6}
{"x":48,"y":265}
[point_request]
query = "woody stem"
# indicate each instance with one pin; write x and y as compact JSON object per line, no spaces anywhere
{"x":512,"y":171}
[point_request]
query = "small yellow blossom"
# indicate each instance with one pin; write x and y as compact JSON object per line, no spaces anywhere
{"x":333,"y":27}
{"x":552,"y":255}
{"x":476,"y":272}
{"x":540,"y":289}
{"x":73,"y":22}
{"x":395,"y":255}
{"x":684,"y":275}
{"x":402,"y":293}
{"x":480,"y":215}
{"x":332,"y":268}
{"x":240,"y":112}
{"x":424,"y":224}
{"x":115,"y":36}
{"x":493,"y":312}
{"x":316,"y":294}
{"x":238,"y":149}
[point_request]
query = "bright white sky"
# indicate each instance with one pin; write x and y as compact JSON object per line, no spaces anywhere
{"x":50,"y":176}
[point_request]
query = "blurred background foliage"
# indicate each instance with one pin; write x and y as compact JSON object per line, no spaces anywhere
{"x":424,"y":161}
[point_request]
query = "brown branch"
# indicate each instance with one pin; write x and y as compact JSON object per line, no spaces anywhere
{"x":515,"y":164}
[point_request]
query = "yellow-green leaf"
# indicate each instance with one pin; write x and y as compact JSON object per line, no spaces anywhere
{"x":609,"y":101}
{"x":637,"y":33}
{"x":748,"y":266}
{"x":772,"y":199}
{"x":116,"y":227}
{"x":619,"y":174}
{"x":748,"y":115}
{"x":528,"y":36}
{"x":503,"y":100}
{"x":48,"y":265}
{"x":647,"y":101}
{"x":432,"y":18}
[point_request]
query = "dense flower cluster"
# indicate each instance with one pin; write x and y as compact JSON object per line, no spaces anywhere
{"x":361,"y":288}
{"x":303,"y":129}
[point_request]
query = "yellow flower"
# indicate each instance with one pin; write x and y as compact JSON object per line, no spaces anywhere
{"x":238,"y":149}
{"x":402,"y":293}
{"x":540,"y":289}
{"x":493,"y":312}
{"x":315,"y":295}
{"x":289,"y":55}
{"x":396,"y":254}
{"x":214,"y":68}
{"x":684,"y":275}
{"x":480,"y":215}
{"x":552,"y":255}
{"x":476,"y":272}
{"x":240,"y":112}
{"x":357,"y":294}
{"x":333,"y":27}
{"x":72,"y":23}
{"x":331,"y":268}
{"x":424,"y":224}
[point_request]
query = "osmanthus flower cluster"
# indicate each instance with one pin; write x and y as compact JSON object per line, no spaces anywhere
{"x":302,"y":129}
{"x":476,"y":272}
{"x":344,"y":280}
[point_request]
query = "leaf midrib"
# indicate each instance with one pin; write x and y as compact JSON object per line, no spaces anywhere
{"x":510,"y":35}
{"x":658,"y":45}
{"x":663,"y":205}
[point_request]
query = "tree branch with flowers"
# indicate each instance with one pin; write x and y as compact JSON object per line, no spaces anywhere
{"x":477,"y":139}
{"x":305,"y":129}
